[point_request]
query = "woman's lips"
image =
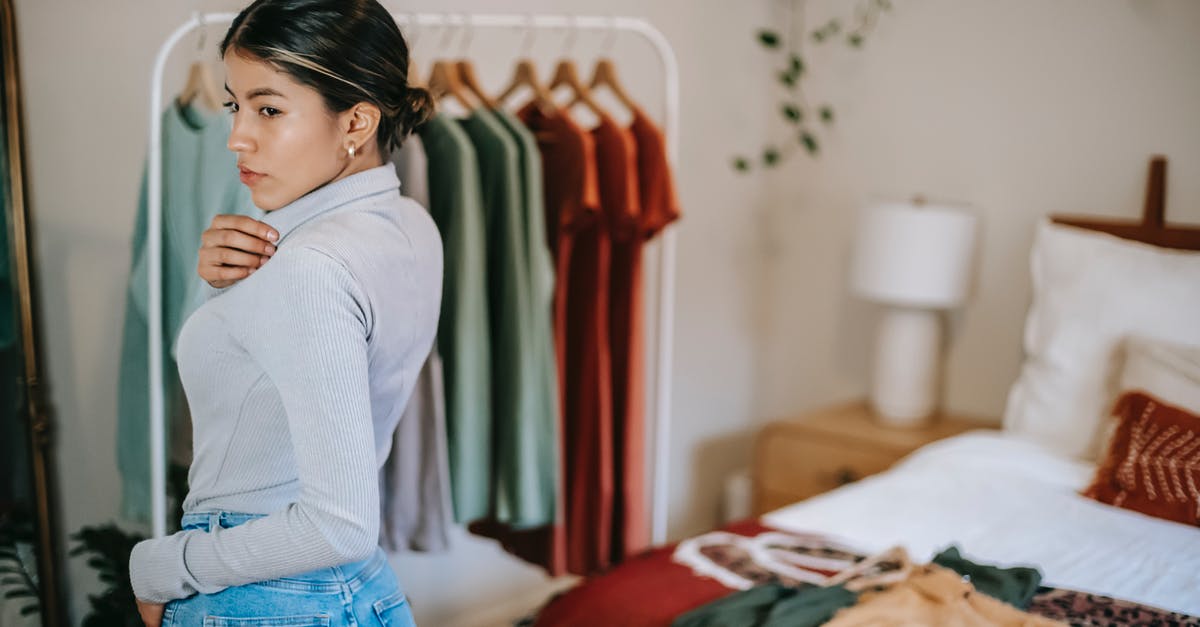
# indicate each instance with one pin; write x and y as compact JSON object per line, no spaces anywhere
{"x":248,"y":176}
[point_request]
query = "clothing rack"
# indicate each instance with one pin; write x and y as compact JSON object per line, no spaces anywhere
{"x":660,"y":415}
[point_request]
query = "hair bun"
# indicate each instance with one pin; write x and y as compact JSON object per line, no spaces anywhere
{"x":417,"y":108}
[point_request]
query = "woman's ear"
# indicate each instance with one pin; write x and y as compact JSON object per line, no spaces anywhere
{"x":360,"y":124}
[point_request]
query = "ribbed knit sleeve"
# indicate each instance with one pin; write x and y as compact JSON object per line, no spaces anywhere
{"x":308,"y":330}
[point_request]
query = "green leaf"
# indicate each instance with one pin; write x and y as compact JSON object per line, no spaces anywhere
{"x":770,"y":156}
{"x":818,"y":36}
{"x":741,"y":164}
{"x":797,"y":65}
{"x":826,"y":114}
{"x":792,"y":112}
{"x":854,"y":39}
{"x":810,"y":142}
{"x":768,"y":38}
{"x":787,"y":78}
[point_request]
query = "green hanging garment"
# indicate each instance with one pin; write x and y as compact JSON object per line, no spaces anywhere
{"x":200,"y":180}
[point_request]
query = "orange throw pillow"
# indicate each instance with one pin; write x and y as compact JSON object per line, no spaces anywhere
{"x":1153,"y":461}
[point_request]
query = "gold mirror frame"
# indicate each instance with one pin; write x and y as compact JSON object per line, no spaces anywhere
{"x":39,"y":425}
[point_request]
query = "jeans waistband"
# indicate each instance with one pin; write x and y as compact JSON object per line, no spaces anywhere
{"x":352,"y":573}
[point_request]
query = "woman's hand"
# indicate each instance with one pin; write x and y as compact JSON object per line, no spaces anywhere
{"x":152,"y":613}
{"x":234,"y":247}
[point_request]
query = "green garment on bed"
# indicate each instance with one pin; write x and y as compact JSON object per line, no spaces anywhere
{"x":775,"y":605}
{"x":771,"y":605}
{"x":1015,"y":586}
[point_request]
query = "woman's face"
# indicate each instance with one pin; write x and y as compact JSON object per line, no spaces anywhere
{"x":287,"y":141}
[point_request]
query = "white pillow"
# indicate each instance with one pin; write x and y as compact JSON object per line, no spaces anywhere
{"x":1090,"y":291}
{"x":1167,"y":371}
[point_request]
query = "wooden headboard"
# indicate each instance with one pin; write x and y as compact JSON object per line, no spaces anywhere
{"x":1153,"y":228}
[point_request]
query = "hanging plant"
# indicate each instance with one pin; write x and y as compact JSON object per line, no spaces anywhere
{"x":802,"y":118}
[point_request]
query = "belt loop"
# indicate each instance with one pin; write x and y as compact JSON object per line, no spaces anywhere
{"x":214,"y":521}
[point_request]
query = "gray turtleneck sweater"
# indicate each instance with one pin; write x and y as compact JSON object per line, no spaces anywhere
{"x":296,"y":377}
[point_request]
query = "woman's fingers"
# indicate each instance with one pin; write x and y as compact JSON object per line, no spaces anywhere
{"x":233,"y":257}
{"x":247,"y":225}
{"x":234,"y":247}
{"x":231,"y":238}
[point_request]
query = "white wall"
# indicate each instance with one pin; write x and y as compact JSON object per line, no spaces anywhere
{"x":1022,"y":108}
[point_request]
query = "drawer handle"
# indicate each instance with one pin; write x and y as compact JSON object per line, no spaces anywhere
{"x":845,"y":475}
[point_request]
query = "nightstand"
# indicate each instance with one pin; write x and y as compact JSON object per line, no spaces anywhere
{"x":805,"y":456}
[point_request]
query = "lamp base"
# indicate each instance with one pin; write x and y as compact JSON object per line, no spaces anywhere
{"x":904,"y":388}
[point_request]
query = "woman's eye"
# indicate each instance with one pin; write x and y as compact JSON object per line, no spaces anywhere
{"x":230,"y":107}
{"x":269,"y":112}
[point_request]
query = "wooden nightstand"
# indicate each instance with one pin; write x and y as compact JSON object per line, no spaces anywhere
{"x":802,"y":457}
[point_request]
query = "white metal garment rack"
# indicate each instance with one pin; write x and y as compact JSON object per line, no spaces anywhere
{"x":664,"y":306}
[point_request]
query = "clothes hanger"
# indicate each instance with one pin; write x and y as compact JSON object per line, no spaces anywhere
{"x":445,"y":81}
{"x":567,"y":74}
{"x":466,"y":69}
{"x":605,"y":75}
{"x":200,"y":84}
{"x":525,"y":75}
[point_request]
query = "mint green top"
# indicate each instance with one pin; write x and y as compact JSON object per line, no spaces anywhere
{"x":463,"y":338}
{"x":199,"y":181}
{"x":540,"y":269}
{"x":525,"y":470}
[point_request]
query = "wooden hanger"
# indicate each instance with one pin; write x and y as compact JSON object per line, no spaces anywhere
{"x":525,"y":75}
{"x":200,"y":86}
{"x":1152,"y":229}
{"x":567,"y":74}
{"x":466,"y":74}
{"x":444,"y":80}
{"x":605,"y":75}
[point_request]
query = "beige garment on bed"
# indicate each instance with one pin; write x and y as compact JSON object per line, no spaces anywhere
{"x":933,"y":595}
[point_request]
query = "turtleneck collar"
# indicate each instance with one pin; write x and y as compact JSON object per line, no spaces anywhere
{"x":331,"y":196}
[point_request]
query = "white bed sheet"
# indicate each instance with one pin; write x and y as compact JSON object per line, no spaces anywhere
{"x":1008,"y":501}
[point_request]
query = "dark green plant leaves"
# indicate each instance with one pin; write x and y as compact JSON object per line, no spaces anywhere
{"x":830,"y":29}
{"x":809,"y":141}
{"x":741,"y":164}
{"x":768,"y":38}
{"x":770,"y":157}
{"x":792,"y":113}
{"x":827,"y":114}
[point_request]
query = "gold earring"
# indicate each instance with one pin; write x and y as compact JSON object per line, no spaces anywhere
{"x":351,"y":151}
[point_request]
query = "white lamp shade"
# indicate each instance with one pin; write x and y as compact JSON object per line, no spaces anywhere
{"x":914,"y":255}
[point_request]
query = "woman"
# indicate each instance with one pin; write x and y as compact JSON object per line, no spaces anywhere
{"x":297,"y":373}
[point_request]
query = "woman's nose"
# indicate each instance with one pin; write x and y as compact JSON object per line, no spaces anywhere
{"x":239,"y":139}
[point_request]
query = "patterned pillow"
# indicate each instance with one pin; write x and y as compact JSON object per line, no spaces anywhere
{"x":1153,"y":461}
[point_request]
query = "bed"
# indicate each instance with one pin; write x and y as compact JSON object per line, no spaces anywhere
{"x":1008,"y":496}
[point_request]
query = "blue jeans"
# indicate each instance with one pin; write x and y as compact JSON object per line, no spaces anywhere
{"x":355,"y":594}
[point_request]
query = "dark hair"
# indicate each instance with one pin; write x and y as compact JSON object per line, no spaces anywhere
{"x":350,"y":51}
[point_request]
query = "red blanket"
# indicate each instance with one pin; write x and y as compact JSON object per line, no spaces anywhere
{"x":646,"y":591}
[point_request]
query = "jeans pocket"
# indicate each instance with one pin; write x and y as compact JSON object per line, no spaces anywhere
{"x":393,"y":611}
{"x":307,"y":620}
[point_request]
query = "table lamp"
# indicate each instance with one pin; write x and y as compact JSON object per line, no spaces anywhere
{"x":914,"y":259}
